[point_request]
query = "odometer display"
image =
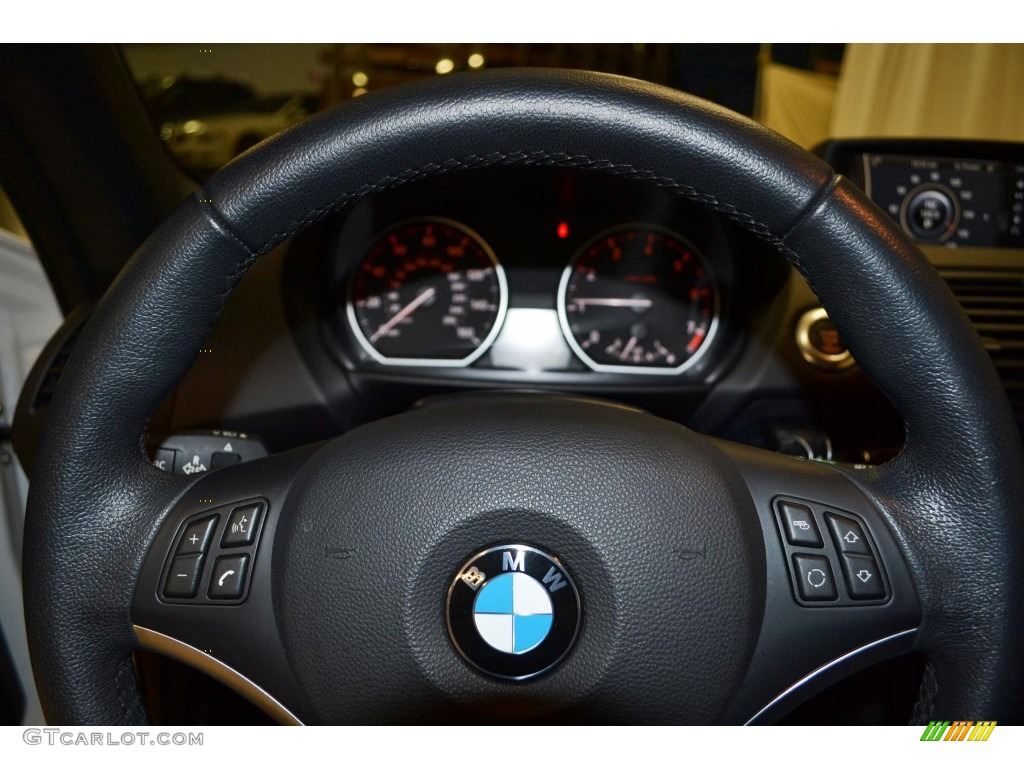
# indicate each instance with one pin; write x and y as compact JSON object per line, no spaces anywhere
{"x":428,"y":292}
{"x":638,"y":299}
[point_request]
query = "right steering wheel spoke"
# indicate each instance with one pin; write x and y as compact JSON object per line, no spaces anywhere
{"x":839,"y":596}
{"x":204,"y":596}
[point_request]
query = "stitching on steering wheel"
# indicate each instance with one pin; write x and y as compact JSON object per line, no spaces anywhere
{"x":217,"y":219}
{"x":518,"y":158}
{"x":125,"y":693}
{"x":543,"y":158}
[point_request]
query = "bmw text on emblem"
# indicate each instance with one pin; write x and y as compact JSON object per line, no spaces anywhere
{"x":513,"y":611}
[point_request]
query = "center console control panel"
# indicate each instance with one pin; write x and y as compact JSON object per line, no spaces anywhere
{"x":950,"y":201}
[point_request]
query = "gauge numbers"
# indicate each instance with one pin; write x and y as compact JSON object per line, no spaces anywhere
{"x":638,"y":299}
{"x":429,"y":292}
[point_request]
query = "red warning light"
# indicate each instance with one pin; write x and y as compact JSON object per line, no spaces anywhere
{"x":563,"y":230}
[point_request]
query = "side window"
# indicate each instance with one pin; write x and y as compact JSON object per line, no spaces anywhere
{"x":29,"y":314}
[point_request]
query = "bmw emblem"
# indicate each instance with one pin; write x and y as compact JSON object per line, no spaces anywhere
{"x":513,"y":611}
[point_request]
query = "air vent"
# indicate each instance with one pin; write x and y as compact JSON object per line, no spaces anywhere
{"x":994,"y":301}
{"x":54,"y":370}
{"x":41,"y":384}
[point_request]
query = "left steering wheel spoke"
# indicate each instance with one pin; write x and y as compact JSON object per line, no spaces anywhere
{"x":839,"y":596}
{"x":204,"y":596}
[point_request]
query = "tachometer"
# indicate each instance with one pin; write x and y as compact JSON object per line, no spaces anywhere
{"x":428,"y":292}
{"x":640,"y":299}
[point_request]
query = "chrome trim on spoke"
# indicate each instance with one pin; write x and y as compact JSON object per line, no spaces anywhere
{"x":218,"y":670}
{"x":825,"y":668}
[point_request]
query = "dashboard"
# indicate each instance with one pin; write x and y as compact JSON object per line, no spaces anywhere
{"x":572,"y":281}
{"x":963,"y":203}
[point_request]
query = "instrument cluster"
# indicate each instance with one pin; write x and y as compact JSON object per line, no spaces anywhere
{"x":431,"y":292}
{"x":548,"y":272}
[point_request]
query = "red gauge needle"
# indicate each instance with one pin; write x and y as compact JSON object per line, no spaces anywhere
{"x":403,"y":313}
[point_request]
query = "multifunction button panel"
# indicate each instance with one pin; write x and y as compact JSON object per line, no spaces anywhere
{"x":830,"y":555}
{"x":212,"y":555}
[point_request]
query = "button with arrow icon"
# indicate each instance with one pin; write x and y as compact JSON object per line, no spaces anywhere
{"x":863,"y":577}
{"x":848,"y":535}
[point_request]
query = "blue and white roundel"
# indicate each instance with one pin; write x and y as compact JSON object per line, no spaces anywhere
{"x":513,"y":613}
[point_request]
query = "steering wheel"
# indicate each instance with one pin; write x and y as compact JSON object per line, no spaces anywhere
{"x":715,"y":582}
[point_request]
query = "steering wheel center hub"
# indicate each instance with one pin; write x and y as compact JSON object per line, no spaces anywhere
{"x":638,"y":514}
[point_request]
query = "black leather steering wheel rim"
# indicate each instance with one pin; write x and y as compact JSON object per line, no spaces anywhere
{"x":952,"y":498}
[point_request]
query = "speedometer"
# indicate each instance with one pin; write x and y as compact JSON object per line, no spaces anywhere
{"x":640,"y":299}
{"x":429,"y":292}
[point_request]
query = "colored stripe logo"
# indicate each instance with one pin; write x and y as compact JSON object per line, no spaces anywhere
{"x":958,"y":730}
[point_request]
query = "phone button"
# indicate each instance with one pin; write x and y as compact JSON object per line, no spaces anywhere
{"x":227,"y":582}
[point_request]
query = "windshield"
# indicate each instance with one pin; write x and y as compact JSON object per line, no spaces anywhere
{"x":211,"y":102}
